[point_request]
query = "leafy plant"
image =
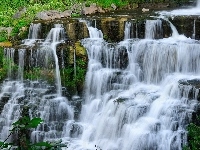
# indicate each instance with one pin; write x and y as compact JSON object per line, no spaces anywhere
{"x":21,"y":128}
{"x":193,"y":136}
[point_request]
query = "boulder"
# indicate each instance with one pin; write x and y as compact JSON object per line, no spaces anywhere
{"x":53,"y":14}
{"x":43,"y":16}
{"x":66,"y":13}
{"x":114,"y":6}
{"x":92,"y":9}
{"x":145,"y":10}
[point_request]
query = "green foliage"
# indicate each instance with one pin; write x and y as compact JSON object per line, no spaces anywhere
{"x":21,"y":127}
{"x":72,"y":79}
{"x":3,"y":36}
{"x":194,"y":137}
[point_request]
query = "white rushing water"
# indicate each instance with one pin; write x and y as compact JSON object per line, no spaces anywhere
{"x":43,"y":100}
{"x":153,"y":29}
{"x":55,"y":36}
{"x":140,"y":106}
{"x":127,"y":30}
{"x":33,"y":35}
{"x":135,"y":96}
{"x":183,"y":12}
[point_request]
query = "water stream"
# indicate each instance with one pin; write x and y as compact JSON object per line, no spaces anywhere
{"x":134,"y":98}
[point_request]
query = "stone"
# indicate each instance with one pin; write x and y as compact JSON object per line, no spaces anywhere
{"x":89,"y":10}
{"x":66,"y":13}
{"x":145,"y":10}
{"x":19,"y":13}
{"x":42,"y":16}
{"x":114,"y":6}
{"x":53,"y":14}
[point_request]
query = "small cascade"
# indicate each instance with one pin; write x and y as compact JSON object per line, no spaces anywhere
{"x":127,"y":30}
{"x":194,"y":30}
{"x":153,"y":29}
{"x":33,"y":35}
{"x":21,"y":53}
{"x":9,"y":54}
{"x":55,"y":37}
{"x":11,"y":93}
{"x":34,"y":31}
{"x":93,"y":31}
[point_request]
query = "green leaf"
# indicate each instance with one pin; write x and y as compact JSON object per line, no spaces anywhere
{"x":46,"y":144}
{"x":34,"y":122}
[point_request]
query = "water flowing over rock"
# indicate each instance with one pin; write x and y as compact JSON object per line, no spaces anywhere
{"x":140,"y":92}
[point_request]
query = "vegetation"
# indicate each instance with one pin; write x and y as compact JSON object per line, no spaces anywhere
{"x":21,"y":130}
{"x":71,"y":79}
{"x":193,"y":136}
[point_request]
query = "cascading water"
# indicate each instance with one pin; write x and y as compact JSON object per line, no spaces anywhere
{"x":153,"y":29}
{"x":43,"y":100}
{"x":183,"y":12}
{"x":133,"y":96}
{"x":55,"y":36}
{"x":127,"y":30}
{"x":34,"y":31}
{"x":139,"y":106}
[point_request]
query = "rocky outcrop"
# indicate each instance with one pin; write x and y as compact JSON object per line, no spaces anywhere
{"x":92,"y":10}
{"x":53,"y":14}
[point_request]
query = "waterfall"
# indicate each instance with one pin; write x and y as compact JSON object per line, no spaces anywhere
{"x":152,"y":28}
{"x":34,"y":31}
{"x":194,"y":30}
{"x":43,"y":100}
{"x":9,"y":54}
{"x":127,"y":30}
{"x":136,"y":95}
{"x":56,"y":36}
{"x":33,"y":35}
{"x":140,"y":105}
